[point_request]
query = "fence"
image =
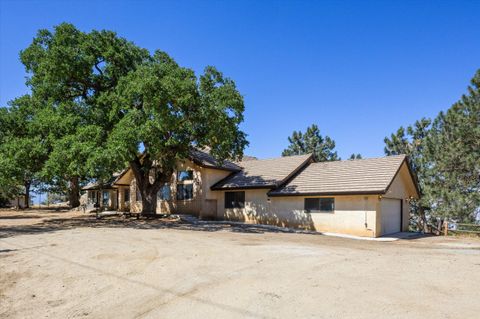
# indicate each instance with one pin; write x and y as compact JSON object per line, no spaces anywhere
{"x":461,"y":228}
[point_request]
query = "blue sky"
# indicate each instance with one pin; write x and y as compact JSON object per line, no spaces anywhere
{"x":357,"y":69}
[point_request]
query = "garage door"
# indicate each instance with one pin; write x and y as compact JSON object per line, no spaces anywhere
{"x":391,"y":215}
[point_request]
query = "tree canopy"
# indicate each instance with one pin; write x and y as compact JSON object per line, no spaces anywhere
{"x":322,"y":148}
{"x":355,"y":156}
{"x":23,"y":148}
{"x":452,"y":187}
{"x":445,"y":154}
{"x":109,"y":103}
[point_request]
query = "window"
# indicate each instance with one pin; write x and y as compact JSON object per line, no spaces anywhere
{"x":164,"y":192}
{"x":234,"y":199}
{"x":105,"y":198}
{"x":184,"y":176}
{"x":126,"y":195}
{"x":184,"y":191}
{"x":320,"y":204}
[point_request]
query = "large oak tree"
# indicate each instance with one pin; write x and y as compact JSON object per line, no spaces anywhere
{"x":112,"y":104}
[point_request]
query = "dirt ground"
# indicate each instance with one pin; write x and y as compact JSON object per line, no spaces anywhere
{"x":70,"y":265}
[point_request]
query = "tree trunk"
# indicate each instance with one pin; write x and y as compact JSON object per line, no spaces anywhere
{"x":27,"y":194}
{"x":74,"y":192}
{"x":149,"y":180}
{"x":149,"y":204}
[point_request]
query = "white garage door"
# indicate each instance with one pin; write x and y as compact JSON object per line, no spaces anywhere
{"x":391,"y":216}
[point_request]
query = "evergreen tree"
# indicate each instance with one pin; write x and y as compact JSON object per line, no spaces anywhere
{"x":445,"y":156}
{"x":312,"y":142}
{"x":355,"y":156}
{"x":452,"y":185}
{"x":411,"y":142}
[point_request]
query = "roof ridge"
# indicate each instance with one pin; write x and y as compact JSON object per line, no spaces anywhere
{"x":279,"y":157}
{"x":362,"y":159}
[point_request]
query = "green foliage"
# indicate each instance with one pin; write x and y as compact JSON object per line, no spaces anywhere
{"x":445,"y":154}
{"x":412,"y":142}
{"x":312,"y":142}
{"x":107,"y":99}
{"x":355,"y":156}
{"x":23,"y":149}
{"x":453,"y":151}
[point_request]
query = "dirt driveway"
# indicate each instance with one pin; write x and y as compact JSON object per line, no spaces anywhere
{"x":68,"y":265}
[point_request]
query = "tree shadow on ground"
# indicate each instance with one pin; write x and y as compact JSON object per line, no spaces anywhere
{"x":90,"y":221}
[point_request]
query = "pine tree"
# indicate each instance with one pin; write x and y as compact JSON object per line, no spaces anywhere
{"x":411,"y":142}
{"x":355,"y":156}
{"x":312,"y":142}
{"x":452,"y":184}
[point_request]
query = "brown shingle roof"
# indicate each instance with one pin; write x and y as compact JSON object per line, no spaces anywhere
{"x":204,"y":159}
{"x":267,"y":173}
{"x":361,"y":176}
{"x":106,"y":185}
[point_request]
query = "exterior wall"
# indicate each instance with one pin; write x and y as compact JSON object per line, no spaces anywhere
{"x":18,"y":202}
{"x":123,"y":206}
{"x":211,"y":198}
{"x":112,"y":198}
{"x":402,"y":188}
{"x":203,"y":203}
{"x":354,"y":215}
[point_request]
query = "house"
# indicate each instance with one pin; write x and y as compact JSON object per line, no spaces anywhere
{"x":18,"y":202}
{"x":366,"y":197}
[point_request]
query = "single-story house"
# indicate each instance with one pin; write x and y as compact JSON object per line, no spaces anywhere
{"x":18,"y":202}
{"x":365,"y":197}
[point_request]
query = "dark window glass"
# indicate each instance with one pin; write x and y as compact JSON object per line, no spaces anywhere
{"x":164,"y":192}
{"x":327,"y":204}
{"x":184,"y":176}
{"x":312,"y":204}
{"x":184,"y":191}
{"x":106,"y":196}
{"x":320,"y":204}
{"x":234,"y":199}
{"x":126,"y":195}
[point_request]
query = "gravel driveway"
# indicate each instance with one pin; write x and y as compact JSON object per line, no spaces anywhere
{"x":70,"y":265}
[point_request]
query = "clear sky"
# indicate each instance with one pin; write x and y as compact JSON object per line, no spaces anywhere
{"x":357,"y":69}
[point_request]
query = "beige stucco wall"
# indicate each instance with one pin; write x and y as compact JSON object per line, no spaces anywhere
{"x":204,"y":200}
{"x":402,"y":188}
{"x":354,"y":215}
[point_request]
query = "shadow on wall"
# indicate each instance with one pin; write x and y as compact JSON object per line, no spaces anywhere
{"x":267,"y":214}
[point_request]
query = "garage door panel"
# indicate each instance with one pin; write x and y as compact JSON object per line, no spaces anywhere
{"x":391,"y":216}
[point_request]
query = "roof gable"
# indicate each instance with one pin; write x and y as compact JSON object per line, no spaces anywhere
{"x":363,"y":176}
{"x":267,"y":173}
